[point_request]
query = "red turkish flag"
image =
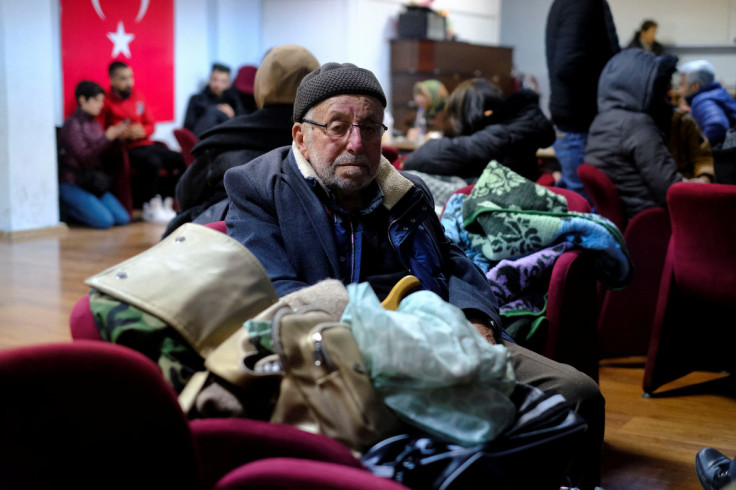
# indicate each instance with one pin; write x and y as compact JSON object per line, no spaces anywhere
{"x":139,"y":33}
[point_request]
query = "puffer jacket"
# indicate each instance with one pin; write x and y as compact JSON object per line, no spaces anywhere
{"x":714,"y":110}
{"x":512,"y":138}
{"x":277,"y":215}
{"x":624,"y":141}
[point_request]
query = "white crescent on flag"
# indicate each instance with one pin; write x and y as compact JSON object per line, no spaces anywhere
{"x":98,"y":9}
{"x":141,"y":11}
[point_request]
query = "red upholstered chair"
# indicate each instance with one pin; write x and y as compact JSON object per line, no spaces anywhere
{"x":625,"y":317}
{"x":226,"y":443}
{"x":218,"y":225}
{"x":90,"y":415}
{"x":186,"y":140}
{"x":81,"y":321}
{"x":693,"y":323}
{"x":288,"y":474}
{"x":603,"y":193}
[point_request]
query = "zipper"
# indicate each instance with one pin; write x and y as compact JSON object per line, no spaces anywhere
{"x":320,"y":356}
{"x":396,"y":220}
{"x":278,"y":348}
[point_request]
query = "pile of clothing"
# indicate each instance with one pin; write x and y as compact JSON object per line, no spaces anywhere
{"x":515,"y":229}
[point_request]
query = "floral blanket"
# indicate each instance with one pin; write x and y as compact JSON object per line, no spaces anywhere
{"x":514,"y":230}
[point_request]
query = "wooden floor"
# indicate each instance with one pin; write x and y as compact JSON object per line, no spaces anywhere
{"x":650,"y":443}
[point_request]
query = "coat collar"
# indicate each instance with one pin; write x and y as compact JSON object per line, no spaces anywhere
{"x":393,"y":185}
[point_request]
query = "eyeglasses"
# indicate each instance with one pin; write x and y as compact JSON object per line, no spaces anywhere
{"x":340,"y":129}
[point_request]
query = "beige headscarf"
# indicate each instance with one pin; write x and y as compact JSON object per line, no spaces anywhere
{"x":280,"y":73}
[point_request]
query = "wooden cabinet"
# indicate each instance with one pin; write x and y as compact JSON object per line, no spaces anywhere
{"x":451,"y":62}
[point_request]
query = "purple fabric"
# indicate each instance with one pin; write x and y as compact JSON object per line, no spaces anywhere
{"x":522,"y":284}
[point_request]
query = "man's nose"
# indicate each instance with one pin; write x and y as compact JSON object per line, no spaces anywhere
{"x":355,"y":140}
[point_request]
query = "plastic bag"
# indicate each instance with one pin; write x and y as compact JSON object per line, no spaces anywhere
{"x":432,"y":367}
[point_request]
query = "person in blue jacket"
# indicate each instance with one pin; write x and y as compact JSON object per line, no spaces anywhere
{"x":711,"y":105}
{"x":330,"y":206}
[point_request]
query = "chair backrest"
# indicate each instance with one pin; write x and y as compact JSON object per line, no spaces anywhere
{"x":703,"y":243}
{"x":186,"y":140}
{"x":575,"y":202}
{"x":90,"y":415}
{"x":244,"y":79}
{"x":603,"y":193}
{"x":218,"y":225}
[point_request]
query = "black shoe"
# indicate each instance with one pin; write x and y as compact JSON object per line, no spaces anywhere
{"x":712,"y":468}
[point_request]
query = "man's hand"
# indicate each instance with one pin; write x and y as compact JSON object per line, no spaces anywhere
{"x":134,"y":132}
{"x":116,"y":131}
{"x":485,"y":330}
{"x":226,"y":109}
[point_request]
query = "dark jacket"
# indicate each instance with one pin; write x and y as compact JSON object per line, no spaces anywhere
{"x":201,"y":114}
{"x":624,"y":141}
{"x":516,"y":131}
{"x":233,"y":143}
{"x":714,"y":110}
{"x":83,"y":141}
{"x":580,"y":39}
{"x":656,"y":48}
{"x":277,"y":215}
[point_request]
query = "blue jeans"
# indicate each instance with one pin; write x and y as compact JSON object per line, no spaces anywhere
{"x":570,"y":152}
{"x":88,"y":209}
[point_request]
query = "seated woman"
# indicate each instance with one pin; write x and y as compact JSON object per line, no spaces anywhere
{"x":486,"y":127}
{"x":625,"y":139}
{"x":430,"y":97}
{"x":84,"y":187}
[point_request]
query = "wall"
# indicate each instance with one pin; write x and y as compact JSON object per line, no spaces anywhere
{"x":28,"y":175}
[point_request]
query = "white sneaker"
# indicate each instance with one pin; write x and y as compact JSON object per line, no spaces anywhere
{"x":154,"y":211}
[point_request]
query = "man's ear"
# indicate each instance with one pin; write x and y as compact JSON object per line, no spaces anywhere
{"x":297,"y":134}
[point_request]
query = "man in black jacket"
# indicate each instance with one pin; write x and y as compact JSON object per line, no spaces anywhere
{"x":217,"y":103}
{"x":580,"y":39}
{"x":200,"y":192}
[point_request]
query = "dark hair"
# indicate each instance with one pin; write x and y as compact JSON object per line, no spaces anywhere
{"x":221,"y":67}
{"x":115,"y":66}
{"x":647,"y":24}
{"x":87,"y":89}
{"x":468,"y":103}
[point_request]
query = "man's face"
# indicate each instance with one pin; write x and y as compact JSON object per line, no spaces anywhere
{"x":122,"y":80}
{"x":345,"y":165}
{"x":219,"y":82}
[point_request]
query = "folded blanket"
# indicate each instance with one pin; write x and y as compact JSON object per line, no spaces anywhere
{"x":514,"y":230}
{"x":509,"y":217}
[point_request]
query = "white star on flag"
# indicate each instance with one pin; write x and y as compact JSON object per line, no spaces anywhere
{"x":120,"y":40}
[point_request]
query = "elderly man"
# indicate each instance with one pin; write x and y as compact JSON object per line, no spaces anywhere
{"x":330,"y":206}
{"x":710,"y":104}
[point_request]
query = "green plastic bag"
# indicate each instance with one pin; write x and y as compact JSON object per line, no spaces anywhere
{"x":432,"y":367}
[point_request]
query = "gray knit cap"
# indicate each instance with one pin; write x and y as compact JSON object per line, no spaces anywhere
{"x":333,"y":79}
